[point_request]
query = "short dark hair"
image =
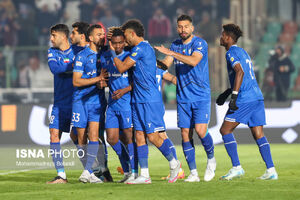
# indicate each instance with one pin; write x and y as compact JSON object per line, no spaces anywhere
{"x":233,"y":31}
{"x":185,"y":18}
{"x":91,"y":28}
{"x":82,"y":28}
{"x":60,"y":28}
{"x":136,"y":26}
{"x":117,"y":32}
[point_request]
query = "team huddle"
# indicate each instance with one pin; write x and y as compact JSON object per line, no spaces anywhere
{"x":134,"y":110}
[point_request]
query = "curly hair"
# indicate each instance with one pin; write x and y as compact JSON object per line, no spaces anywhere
{"x":233,"y":31}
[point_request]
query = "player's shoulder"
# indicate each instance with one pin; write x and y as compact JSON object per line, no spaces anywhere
{"x":199,"y":41}
{"x":53,"y":50}
{"x":177,"y":42}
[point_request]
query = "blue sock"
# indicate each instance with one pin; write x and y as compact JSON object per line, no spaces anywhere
{"x":132,"y":156}
{"x":166,"y":151}
{"x":208,"y":145}
{"x":123,"y":155}
{"x":172,"y":147}
{"x":57,"y":156}
{"x":143,"y":152}
{"x":231,"y":148}
{"x":265,"y":151}
{"x":81,"y":153}
{"x":189,"y":153}
{"x":92,"y":150}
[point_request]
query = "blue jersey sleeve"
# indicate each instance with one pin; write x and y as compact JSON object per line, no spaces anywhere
{"x":136,"y":53}
{"x":232,"y":58}
{"x":55,"y":65}
{"x":79,"y":63}
{"x":200,"y":47}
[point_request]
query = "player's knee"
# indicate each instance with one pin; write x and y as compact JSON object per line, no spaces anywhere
{"x":224,"y":131}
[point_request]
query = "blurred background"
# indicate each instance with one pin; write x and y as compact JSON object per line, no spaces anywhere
{"x":271,"y":36}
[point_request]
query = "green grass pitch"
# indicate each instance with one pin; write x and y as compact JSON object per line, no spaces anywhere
{"x":31,"y":184}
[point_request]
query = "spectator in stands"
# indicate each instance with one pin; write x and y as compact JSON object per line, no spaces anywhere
{"x":282,"y":68}
{"x":159,"y":26}
{"x":2,"y":71}
{"x":23,"y":75}
{"x":109,"y":19}
{"x":207,"y":29}
{"x":86,"y":8}
{"x":45,"y":19}
{"x":297,"y":83}
{"x":39,"y":75}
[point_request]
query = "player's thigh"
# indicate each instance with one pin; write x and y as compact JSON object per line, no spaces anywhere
{"x":201,"y":112}
{"x":79,"y":115}
{"x":137,"y":118}
{"x":228,"y":127}
{"x":60,"y":118}
{"x":94,"y":112}
{"x":258,"y":116}
{"x":111,"y":120}
{"x":184,"y":115}
{"x":125,"y":119}
{"x":153,"y":117}
{"x":242,"y":114}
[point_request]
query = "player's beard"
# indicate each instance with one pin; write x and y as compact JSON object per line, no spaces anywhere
{"x":185,"y":37}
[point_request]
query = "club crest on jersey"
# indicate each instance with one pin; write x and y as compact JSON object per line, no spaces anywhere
{"x":134,"y":54}
{"x":231,"y":59}
{"x":66,"y":60}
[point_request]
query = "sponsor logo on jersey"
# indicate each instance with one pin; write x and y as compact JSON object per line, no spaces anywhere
{"x":78,"y":63}
{"x":134,"y":54}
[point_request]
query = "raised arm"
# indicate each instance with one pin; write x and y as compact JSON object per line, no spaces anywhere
{"x":192,"y":60}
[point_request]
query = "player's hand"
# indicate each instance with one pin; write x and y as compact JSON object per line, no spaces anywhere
{"x":103,"y":75}
{"x":118,"y":94}
{"x":232,"y":103}
{"x":161,"y":65}
{"x":110,"y":32}
{"x":222,"y":97}
{"x":110,"y":46}
{"x":164,"y":50}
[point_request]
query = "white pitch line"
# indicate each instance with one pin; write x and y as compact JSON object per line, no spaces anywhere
{"x":20,"y":171}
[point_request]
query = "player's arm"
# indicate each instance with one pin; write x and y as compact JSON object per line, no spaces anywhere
{"x":192,"y":60}
{"x":119,"y":93}
{"x":122,"y":66}
{"x":239,"y":75}
{"x":170,"y":77}
{"x":58,"y":67}
{"x":78,"y":81}
{"x":165,"y":63}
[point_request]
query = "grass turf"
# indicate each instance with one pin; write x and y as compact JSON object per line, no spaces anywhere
{"x":31,"y":184}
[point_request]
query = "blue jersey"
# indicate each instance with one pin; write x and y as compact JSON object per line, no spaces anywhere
{"x":249,"y":90}
{"x":87,"y":62}
{"x":159,"y":76}
{"x":192,"y":82}
{"x":116,"y":81}
{"x":61,"y":65}
{"x":145,"y":87}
